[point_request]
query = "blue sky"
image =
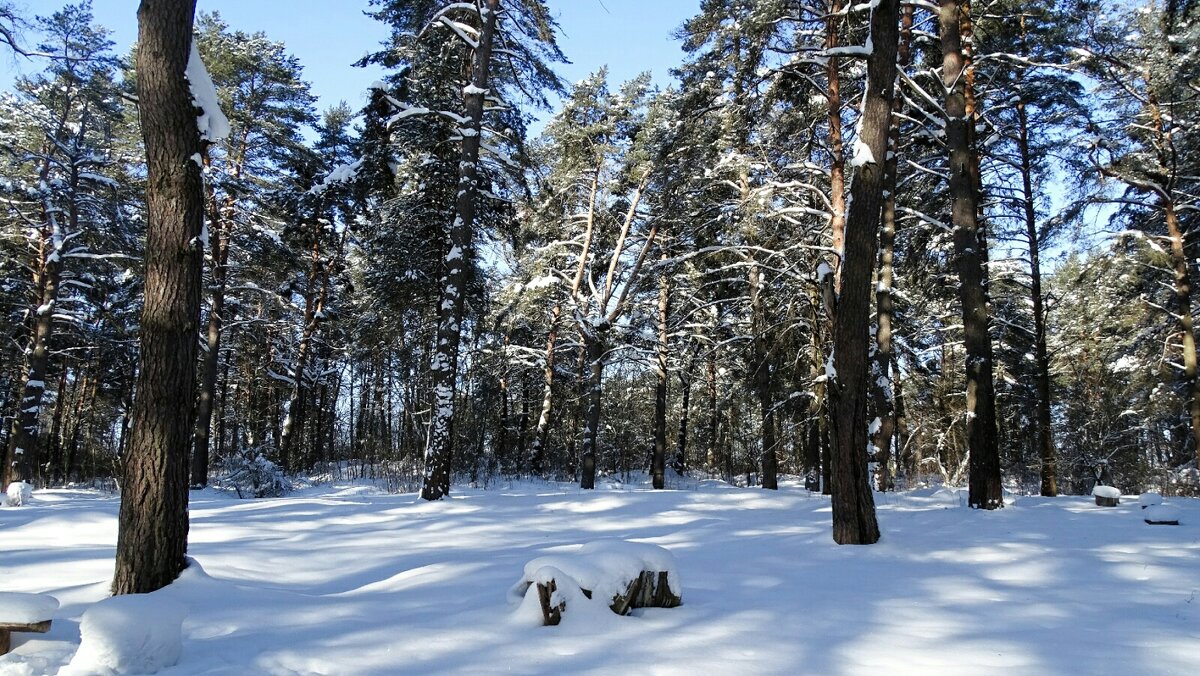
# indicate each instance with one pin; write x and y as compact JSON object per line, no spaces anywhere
{"x":630,"y":36}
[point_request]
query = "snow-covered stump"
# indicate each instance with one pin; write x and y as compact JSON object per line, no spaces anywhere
{"x":1150,"y":499}
{"x":24,"y":613}
{"x":622,"y":575}
{"x":129,"y":634}
{"x":1160,"y":515}
{"x":1107,"y":496}
{"x":19,"y":494}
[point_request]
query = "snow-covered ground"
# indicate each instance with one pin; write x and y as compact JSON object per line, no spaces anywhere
{"x":347,"y":580}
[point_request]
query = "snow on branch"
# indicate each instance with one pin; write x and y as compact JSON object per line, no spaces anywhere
{"x":343,"y":173}
{"x":213,"y":124}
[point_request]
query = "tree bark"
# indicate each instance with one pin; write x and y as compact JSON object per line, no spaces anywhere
{"x":153,"y":520}
{"x":658,"y":463}
{"x":853,"y":504}
{"x":219,"y":250}
{"x":762,"y":380}
{"x":681,"y":442}
{"x":837,"y":155}
{"x":985,"y":489}
{"x":537,"y":461}
{"x":593,"y":340}
{"x":444,"y":367}
{"x":315,"y":296}
{"x":1045,"y":433}
{"x":881,"y":383}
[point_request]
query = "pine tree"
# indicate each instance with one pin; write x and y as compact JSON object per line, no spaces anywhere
{"x":63,"y":193}
{"x":153,"y":519}
{"x":450,"y":39}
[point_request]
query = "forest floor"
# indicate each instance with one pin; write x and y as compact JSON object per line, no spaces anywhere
{"x":346,"y":579}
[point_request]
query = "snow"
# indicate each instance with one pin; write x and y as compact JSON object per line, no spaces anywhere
{"x":349,"y":580}
{"x":862,"y":154}
{"x":606,"y":567}
{"x":21,"y":608}
{"x":1149,"y":499}
{"x":19,"y":493}
{"x":214,"y":126}
{"x":131,"y":634}
{"x":342,"y":173}
{"x":1159,"y":514}
{"x":1110,"y":492}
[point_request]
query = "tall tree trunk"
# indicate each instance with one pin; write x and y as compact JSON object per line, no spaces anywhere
{"x":593,"y":340}
{"x":1183,"y":306}
{"x":658,"y":463}
{"x":219,"y":251}
{"x":680,"y":463}
{"x":153,"y":521}
{"x":315,"y":295}
{"x":537,"y":461}
{"x":853,"y":504}
{"x":985,"y":489}
{"x":444,"y":367}
{"x":837,"y":160}
{"x":762,"y":379}
{"x":1045,"y":433}
{"x":881,"y":382}
{"x":714,"y":412}
{"x":56,"y":440}
{"x":23,"y":440}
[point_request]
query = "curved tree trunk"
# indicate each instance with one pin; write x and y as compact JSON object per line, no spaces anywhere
{"x":153,"y":521}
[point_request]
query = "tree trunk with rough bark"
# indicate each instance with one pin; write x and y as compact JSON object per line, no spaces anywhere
{"x":881,"y":384}
{"x":1045,"y":433}
{"x":593,"y":340}
{"x":658,"y":463}
{"x":762,"y":380}
{"x":853,"y":504}
{"x":439,"y":450}
{"x":837,"y":156}
{"x":153,"y":521}
{"x":985,"y":489}
{"x":219,"y":251}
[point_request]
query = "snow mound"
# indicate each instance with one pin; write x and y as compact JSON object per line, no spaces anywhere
{"x":1149,"y":499}
{"x":1161,"y":515}
{"x":132,"y":634}
{"x":18,"y":608}
{"x":1110,"y":492}
{"x":19,"y":494}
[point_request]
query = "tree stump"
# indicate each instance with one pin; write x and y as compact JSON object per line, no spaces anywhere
{"x":1107,"y":496}
{"x":551,"y":614}
{"x":7,"y":628}
{"x":650,"y":589}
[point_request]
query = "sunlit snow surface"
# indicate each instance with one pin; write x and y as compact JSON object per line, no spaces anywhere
{"x":346,"y":580}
